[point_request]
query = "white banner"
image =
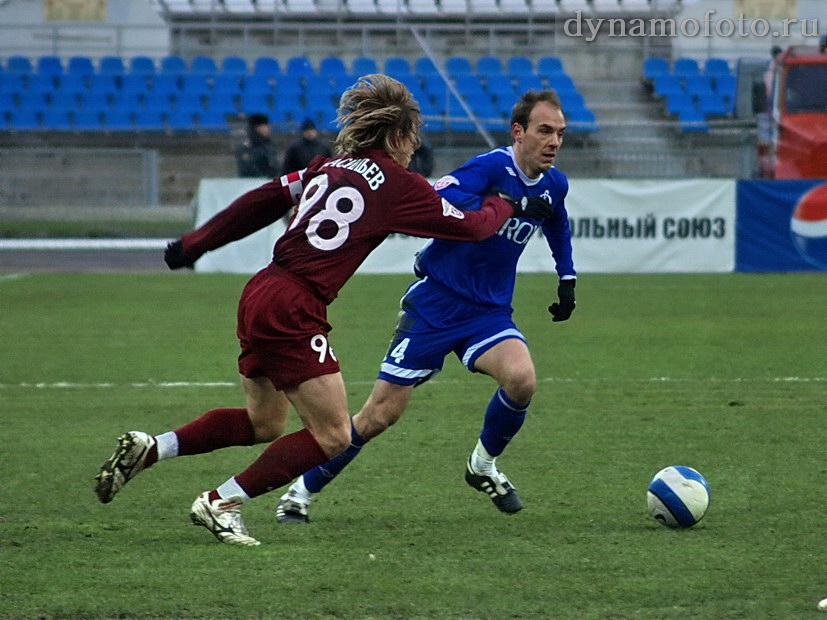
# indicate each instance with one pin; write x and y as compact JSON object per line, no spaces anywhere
{"x":617,"y":226}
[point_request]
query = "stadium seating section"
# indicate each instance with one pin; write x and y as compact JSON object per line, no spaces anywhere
{"x":202,"y":93}
{"x":690,"y":92}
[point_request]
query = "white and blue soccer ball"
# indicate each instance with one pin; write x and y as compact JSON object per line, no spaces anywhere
{"x":678,"y":496}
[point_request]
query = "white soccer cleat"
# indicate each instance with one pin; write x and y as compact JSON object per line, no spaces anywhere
{"x":223,"y":518}
{"x":126,"y":462}
{"x":497,"y":486}
{"x":292,"y":508}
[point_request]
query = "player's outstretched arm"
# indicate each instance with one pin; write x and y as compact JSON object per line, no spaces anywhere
{"x":247,"y":214}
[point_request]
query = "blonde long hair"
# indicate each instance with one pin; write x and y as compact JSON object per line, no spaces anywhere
{"x":377,"y":112}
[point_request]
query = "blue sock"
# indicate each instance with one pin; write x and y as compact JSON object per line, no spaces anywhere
{"x":318,"y":477}
{"x":503,"y":419}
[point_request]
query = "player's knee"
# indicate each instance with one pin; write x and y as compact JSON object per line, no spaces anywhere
{"x":267,"y":430}
{"x":520,"y":387}
{"x":333,"y":440}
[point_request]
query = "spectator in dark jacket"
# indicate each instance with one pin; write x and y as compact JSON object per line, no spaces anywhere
{"x":256,"y":156}
{"x":422,"y":161}
{"x":300,"y":152}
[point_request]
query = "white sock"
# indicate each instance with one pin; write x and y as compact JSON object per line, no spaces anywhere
{"x":167,"y":444}
{"x":481,"y":462}
{"x":232,"y":490}
{"x":298,"y":491}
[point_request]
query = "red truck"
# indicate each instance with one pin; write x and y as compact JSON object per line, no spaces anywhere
{"x":792,"y":140}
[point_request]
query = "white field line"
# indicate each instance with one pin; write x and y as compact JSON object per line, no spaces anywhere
{"x":208,"y":384}
{"x":7,"y":277}
{"x":82,"y":244}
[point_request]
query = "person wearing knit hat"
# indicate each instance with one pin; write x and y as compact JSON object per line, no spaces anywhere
{"x":256,"y":156}
{"x":303,"y":150}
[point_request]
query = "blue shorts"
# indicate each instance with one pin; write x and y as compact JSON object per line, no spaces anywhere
{"x":419,"y":346}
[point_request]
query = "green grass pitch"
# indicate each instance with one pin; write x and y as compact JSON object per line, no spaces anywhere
{"x":724,"y":373}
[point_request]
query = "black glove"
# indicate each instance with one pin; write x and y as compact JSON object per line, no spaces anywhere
{"x":174,"y":255}
{"x":565,"y":293}
{"x":531,"y":206}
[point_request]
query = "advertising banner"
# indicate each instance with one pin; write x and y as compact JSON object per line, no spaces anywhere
{"x":617,"y":226}
{"x":781,"y":226}
{"x":646,"y":227}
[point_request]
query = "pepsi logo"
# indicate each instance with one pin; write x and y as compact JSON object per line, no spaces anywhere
{"x":808,"y":226}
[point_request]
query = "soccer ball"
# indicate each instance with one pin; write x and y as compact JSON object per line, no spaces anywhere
{"x":678,"y":496}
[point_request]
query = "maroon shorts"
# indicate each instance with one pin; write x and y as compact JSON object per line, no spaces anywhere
{"x":282,"y":329}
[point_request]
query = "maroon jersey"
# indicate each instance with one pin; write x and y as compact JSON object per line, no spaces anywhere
{"x":346,"y":206}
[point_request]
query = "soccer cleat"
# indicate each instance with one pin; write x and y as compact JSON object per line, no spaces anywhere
{"x":126,"y":462}
{"x":497,"y":487}
{"x":291,"y":509}
{"x":223,"y":518}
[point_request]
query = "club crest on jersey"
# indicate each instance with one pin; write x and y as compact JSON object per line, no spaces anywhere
{"x":445,"y":181}
{"x":449,"y":210}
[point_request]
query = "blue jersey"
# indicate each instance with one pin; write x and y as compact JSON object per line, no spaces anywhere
{"x":484,"y":272}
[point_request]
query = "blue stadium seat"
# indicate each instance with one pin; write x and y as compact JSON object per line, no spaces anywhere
{"x":693,"y":121}
{"x":66,"y":100}
{"x":142,"y":64}
{"x":289,"y":108}
{"x":502,"y":89}
{"x":253,"y":103}
{"x":73,"y":83}
{"x":519,"y":65}
{"x":288,"y":86}
{"x":528,"y":82}
{"x":19,"y":64}
{"x":111,"y":65}
{"x":135,"y":83}
{"x":103,"y":83}
{"x":654,"y":67}
{"x":561,"y":82}
{"x":203,"y":65}
{"x":257,"y":84}
{"x":488,"y":66}
{"x":129,"y":102}
{"x":582,"y":120}
{"x":195,"y":83}
{"x":87,"y":119}
{"x":235,"y":65}
{"x":81,"y":65}
{"x":49,"y":65}
{"x":469,"y":86}
{"x":697,"y":85}
{"x":299,"y":66}
{"x":341,"y":83}
{"x":222,"y":103}
{"x":12,"y":83}
{"x":40,"y":83}
{"x":32,"y":101}
{"x":314,"y":84}
{"x":173,"y":65}
{"x":56,"y":120}
{"x":181,"y":119}
{"x":549,"y":65}
{"x":435,"y":87}
{"x":266,"y":66}
{"x":725,"y":85}
{"x":458,"y":65}
{"x":6,"y":103}
{"x":685,"y":67}
{"x":332,"y":66}
{"x":24,"y":119}
{"x":666,"y":85}
{"x":571,"y":100}
{"x":396,"y":66}
{"x":712,"y":104}
{"x":188,"y":101}
{"x":679,"y":102}
{"x":213,"y":120}
{"x":119,"y":120}
{"x":157,"y":101}
{"x":165,"y":83}
{"x":424,"y":67}
{"x":227,"y":83}
{"x":97,"y":100}
{"x":714,"y":67}
{"x":149,"y":120}
{"x":363,"y":65}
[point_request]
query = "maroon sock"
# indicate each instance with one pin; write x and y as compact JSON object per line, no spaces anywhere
{"x":284,"y":459}
{"x":219,"y":428}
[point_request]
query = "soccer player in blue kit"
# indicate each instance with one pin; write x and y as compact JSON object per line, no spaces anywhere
{"x":462,"y":304}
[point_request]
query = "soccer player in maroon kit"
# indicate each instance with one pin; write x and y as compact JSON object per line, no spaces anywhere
{"x":344,"y":208}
